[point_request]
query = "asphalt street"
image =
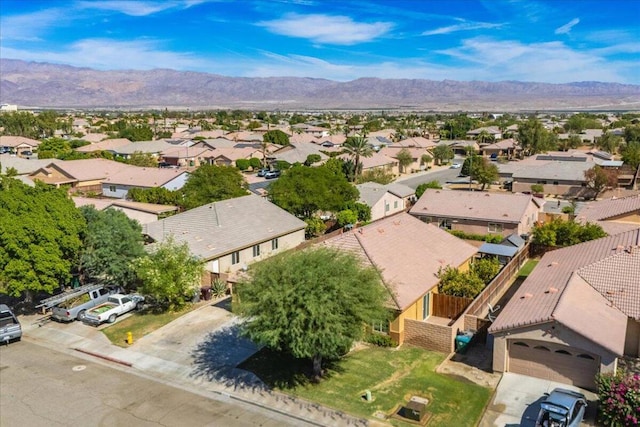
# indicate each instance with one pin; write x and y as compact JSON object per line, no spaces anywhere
{"x":441,"y":174}
{"x":40,"y":386}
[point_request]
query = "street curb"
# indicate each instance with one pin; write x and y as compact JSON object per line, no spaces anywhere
{"x":102,"y":356}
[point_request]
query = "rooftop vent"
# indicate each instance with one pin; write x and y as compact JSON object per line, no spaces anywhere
{"x":527,"y":295}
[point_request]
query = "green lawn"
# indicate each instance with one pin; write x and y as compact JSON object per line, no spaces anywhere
{"x":140,"y":324}
{"x":393,"y":376}
{"x":528,"y":267}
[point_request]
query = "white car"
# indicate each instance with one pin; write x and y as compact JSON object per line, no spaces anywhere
{"x":456,"y":166}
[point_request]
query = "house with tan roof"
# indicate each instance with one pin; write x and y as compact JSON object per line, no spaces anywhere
{"x":231,"y":234}
{"x":504,"y":148}
{"x":575,"y":315}
{"x":84,"y":175}
{"x":110,"y":145}
{"x":185,"y":156}
{"x":298,"y":153}
{"x":18,"y":144}
{"x":614,"y":215}
{"x":491,"y":130}
{"x":408,"y":254}
{"x":416,"y":156}
{"x":478,"y":212}
{"x":23,"y":165}
{"x":154,"y":148}
{"x":385,"y":200}
{"x":415,"y":142}
{"x":118,"y":184}
{"x":144,"y":213}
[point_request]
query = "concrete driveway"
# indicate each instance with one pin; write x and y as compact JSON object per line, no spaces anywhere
{"x":517,"y":399}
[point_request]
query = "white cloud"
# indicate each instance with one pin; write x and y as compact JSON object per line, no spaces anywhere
{"x":30,"y":26}
{"x":566,"y":28}
{"x":464,"y":26}
{"x":107,"y":54}
{"x":340,"y":30}
{"x":137,"y":8}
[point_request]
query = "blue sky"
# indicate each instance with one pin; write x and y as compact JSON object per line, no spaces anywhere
{"x":553,"y":41}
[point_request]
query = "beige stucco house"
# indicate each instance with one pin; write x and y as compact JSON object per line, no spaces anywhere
{"x":385,"y":200}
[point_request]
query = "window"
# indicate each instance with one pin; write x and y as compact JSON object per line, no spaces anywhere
{"x":256,"y":250}
{"x":425,"y":306}
{"x":395,"y":204}
{"x":386,"y":206}
{"x":235,"y":258}
{"x":555,"y":182}
{"x":563,"y":352}
{"x":112,"y":188}
{"x":495,"y":227}
{"x":520,"y":343}
{"x":444,"y":223}
{"x":541,"y":347}
{"x":585,"y":356}
{"x":274,"y":244}
{"x":380,"y":326}
{"x":541,"y":182}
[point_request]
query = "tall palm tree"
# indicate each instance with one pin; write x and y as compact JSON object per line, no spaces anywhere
{"x":356,"y":147}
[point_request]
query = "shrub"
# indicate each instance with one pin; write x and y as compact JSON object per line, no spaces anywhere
{"x":242,"y":164}
{"x":537,"y":188}
{"x":489,"y":238}
{"x":619,"y":397}
{"x":346,"y":216}
{"x":381,"y":340}
{"x":219,"y":288}
{"x":315,"y":227}
{"x":282,"y":165}
{"x":420,"y":189}
{"x":255,"y":162}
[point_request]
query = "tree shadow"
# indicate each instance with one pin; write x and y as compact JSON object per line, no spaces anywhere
{"x":219,"y":356}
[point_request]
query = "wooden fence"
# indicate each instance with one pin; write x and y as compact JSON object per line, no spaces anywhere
{"x":448,"y":306}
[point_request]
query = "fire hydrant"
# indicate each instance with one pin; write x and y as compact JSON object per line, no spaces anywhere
{"x":129,"y":338}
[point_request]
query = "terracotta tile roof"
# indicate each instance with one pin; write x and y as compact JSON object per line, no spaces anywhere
{"x":104,"y":145}
{"x":537,"y":298}
{"x":219,"y":228}
{"x":22,"y":165}
{"x":14,"y":141}
{"x":183,"y":152}
{"x":96,"y":137}
{"x":499,"y":207}
{"x":144,"y":177}
{"x":416,"y":152}
{"x":299,"y":152}
{"x":89,"y":169}
{"x":502,"y":145}
{"x":418,"y":142}
{"x":608,"y":208}
{"x":407,"y":252}
{"x":153,"y":147}
{"x":581,"y":306}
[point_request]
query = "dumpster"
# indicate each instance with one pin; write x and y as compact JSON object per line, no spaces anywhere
{"x":462,"y":341}
{"x":205,"y":293}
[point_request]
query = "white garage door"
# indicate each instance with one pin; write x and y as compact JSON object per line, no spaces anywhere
{"x":553,"y":362}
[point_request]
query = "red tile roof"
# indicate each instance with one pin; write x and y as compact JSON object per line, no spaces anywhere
{"x":407,"y":252}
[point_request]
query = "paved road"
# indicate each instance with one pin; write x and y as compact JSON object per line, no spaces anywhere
{"x":40,"y":386}
{"x":443,"y":175}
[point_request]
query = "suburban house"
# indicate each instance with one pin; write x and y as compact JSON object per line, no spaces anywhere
{"x":18,"y":144}
{"x":559,"y":173}
{"x":505,"y":148}
{"x":298,"y":153}
{"x":408,"y":254}
{"x":376,"y":161}
{"x":231,"y":234}
{"x":144,"y":213}
{"x":613,"y":215}
{"x":477,"y":212}
{"x":84,"y":175}
{"x":575,"y":315}
{"x":185,"y":156}
{"x":23,"y":166}
{"x":490,"y":130}
{"x":416,"y":157}
{"x":155,"y":148}
{"x":110,"y":145}
{"x":385,"y":200}
{"x":118,"y":184}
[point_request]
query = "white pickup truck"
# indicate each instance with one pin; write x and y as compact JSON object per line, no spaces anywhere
{"x":115,"y":306}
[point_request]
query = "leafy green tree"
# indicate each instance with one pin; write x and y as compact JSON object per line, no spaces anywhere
{"x":598,"y":179}
{"x":404,"y":158}
{"x":559,"y":232}
{"x":534,"y":138}
{"x":276,"y":136}
{"x":304,"y":191}
{"x":255,"y":162}
{"x":312,"y":158}
{"x":537,"y":188}
{"x":632,"y":133}
{"x":362,"y":211}
{"x":631,"y":154}
{"x":110,"y":243}
{"x":346,"y":217}
{"x":136,"y":133}
{"x":484,"y":137}
{"x":420,"y":189}
{"x":471,"y":160}
{"x":212,"y":183}
{"x":485,"y":172}
{"x":609,"y":142}
{"x":425,"y":160}
{"x":53,"y":148}
{"x":486,"y":268}
{"x":242,"y":164}
{"x":40,"y":230}
{"x":312,"y":304}
{"x":170,"y":275}
{"x":315,"y":227}
{"x":459,"y":284}
{"x":356,"y":147}
{"x":145,"y":160}
{"x":157,"y":195}
{"x":574,"y":141}
{"x":443,"y":154}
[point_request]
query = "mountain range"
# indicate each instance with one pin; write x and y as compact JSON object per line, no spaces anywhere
{"x":45,"y":85}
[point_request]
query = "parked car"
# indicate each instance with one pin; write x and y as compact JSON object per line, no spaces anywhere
{"x":116,"y":305}
{"x":10,"y":329}
{"x":26,"y":153}
{"x":456,"y":166}
{"x":76,"y":306}
{"x":272,"y":174}
{"x":562,"y":408}
{"x":262,"y":172}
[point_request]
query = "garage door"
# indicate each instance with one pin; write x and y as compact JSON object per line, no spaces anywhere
{"x":553,"y":362}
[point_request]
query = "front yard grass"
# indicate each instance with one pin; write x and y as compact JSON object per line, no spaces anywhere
{"x":141,"y":324}
{"x":528,"y":267}
{"x":392,"y":376}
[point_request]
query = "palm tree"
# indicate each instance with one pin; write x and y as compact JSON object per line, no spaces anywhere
{"x":356,"y":147}
{"x":485,"y":137}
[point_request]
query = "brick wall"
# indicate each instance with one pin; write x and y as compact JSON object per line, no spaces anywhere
{"x":429,"y":336}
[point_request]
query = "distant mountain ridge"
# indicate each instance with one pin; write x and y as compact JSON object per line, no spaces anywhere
{"x":44,"y":85}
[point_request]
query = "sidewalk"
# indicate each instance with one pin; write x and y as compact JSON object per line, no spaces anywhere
{"x":86,"y":341}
